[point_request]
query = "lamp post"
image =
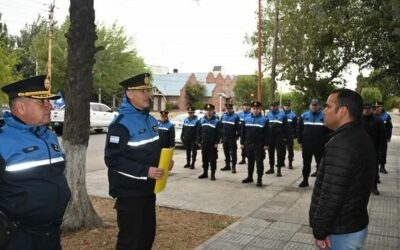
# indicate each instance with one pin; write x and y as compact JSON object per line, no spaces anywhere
{"x":259,"y":86}
{"x":222,"y":94}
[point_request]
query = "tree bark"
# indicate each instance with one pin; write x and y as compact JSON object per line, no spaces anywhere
{"x":81,"y":39}
{"x":272,"y":87}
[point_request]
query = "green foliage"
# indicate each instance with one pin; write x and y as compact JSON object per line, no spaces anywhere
{"x":169,"y":106}
{"x":391,"y":103}
{"x":7,"y":63}
{"x":371,"y":95}
{"x":195,"y":93}
{"x":198,"y":105}
{"x":385,"y":84}
{"x":245,"y":89}
{"x":299,"y":102}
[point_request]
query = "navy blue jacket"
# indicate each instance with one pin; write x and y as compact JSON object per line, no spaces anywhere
{"x":166,"y":130}
{"x":277,"y":124}
{"x":189,"y":129}
{"x":311,"y":129}
{"x":209,"y":130}
{"x":387,"y":120}
{"x":230,"y":126}
{"x":255,"y":131}
{"x":132,"y":146}
{"x":33,"y":187}
{"x":292,"y":122}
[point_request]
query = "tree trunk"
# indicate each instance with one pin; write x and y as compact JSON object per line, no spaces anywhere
{"x":272,"y":87}
{"x":81,"y":49}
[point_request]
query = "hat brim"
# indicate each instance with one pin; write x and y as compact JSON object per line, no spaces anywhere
{"x":43,"y":97}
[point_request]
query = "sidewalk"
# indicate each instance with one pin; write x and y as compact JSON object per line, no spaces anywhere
{"x":274,"y":216}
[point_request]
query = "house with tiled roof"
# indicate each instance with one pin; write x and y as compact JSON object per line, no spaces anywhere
{"x":171,"y":88}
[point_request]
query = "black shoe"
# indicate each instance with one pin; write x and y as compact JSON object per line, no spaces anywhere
{"x":212,"y":177}
{"x":375,"y":191}
{"x":379,"y":181}
{"x":304,"y":183}
{"x":314,"y":174}
{"x":226,"y":168}
{"x":247,"y":180}
{"x":279,"y":173}
{"x":290,"y":165}
{"x":259,"y":183}
{"x":383,"y":170}
{"x":271,"y":171}
{"x":243,"y":161}
{"x":233,"y":170}
{"x":203,"y":176}
{"x":192,"y":166}
{"x":187,"y":165}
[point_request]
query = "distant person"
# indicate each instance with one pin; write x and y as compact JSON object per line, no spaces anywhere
{"x":375,"y":128}
{"x":242,"y":116}
{"x":189,"y":138}
{"x":387,"y":120}
{"x":292,"y":131}
{"x":166,"y":129}
{"x":132,"y":154}
{"x":277,"y":125}
{"x":230,"y":133}
{"x":208,"y":137}
{"x":33,"y":189}
{"x":255,"y":140}
{"x":312,"y":135}
{"x":338,"y":211}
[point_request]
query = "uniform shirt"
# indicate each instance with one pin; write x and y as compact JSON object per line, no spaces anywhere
{"x":387,"y":120}
{"x":311,"y":129}
{"x":292,"y":122}
{"x":255,"y":130}
{"x":33,"y":187}
{"x":132,"y":146}
{"x":277,"y":124}
{"x":189,"y":129}
{"x":166,"y":130}
{"x":208,"y":130}
{"x":230,"y":126}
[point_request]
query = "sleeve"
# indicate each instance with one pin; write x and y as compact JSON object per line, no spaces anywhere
{"x":389,"y":127}
{"x":294,"y":126}
{"x":285,"y":127}
{"x":172,"y":135}
{"x":2,"y":168}
{"x":219,"y":132}
{"x":198,"y":132}
{"x":242,"y":133}
{"x":300,"y":128}
{"x":334,"y":187}
{"x":183,"y":132}
{"x":382,"y":137}
{"x":266,"y":133}
{"x":237,"y":128}
{"x":115,"y":156}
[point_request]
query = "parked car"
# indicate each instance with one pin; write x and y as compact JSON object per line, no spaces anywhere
{"x":2,"y":110}
{"x":100,"y":117}
{"x":178,"y":122}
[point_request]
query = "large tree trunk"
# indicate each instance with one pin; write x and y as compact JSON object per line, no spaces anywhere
{"x":272,"y":87}
{"x":81,"y":49}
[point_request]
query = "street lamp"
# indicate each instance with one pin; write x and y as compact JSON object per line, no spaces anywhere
{"x":222,"y":94}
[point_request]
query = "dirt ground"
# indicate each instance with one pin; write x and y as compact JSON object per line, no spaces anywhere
{"x":176,"y":229}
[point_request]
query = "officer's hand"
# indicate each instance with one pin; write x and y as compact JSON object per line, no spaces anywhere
{"x":155,"y":173}
{"x":388,"y":140}
{"x":215,"y":145}
{"x":199,"y":145}
{"x":265,"y":147}
{"x":241,"y":146}
{"x":171,"y":166}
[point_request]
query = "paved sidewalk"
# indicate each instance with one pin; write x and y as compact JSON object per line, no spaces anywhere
{"x":274,"y":216}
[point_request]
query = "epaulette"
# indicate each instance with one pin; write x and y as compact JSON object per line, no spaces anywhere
{"x":119,"y":118}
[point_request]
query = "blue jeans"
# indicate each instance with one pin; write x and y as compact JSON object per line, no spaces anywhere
{"x":351,"y":241}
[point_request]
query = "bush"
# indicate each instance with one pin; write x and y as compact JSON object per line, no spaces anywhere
{"x":371,"y":95}
{"x":391,"y":103}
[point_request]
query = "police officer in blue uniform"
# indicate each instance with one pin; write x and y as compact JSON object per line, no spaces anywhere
{"x":33,"y":189}
{"x":132,"y":155}
{"x":312,"y":135}
{"x":242,"y":116}
{"x":292,"y":131}
{"x":208,"y":137}
{"x":230,"y":134}
{"x":189,"y":137}
{"x":166,"y":130}
{"x":255,"y":140}
{"x":387,"y":120}
{"x":277,"y":124}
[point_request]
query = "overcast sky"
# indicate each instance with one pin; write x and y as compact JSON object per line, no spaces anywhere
{"x":190,"y":35}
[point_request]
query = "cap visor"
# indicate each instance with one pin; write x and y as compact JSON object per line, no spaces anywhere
{"x":49,"y":97}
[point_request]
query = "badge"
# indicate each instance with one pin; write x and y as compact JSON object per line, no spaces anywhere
{"x":114,"y":139}
{"x":56,"y":147}
{"x":146,"y":80}
{"x":30,"y":149}
{"x":47,"y":84}
{"x":155,"y":128}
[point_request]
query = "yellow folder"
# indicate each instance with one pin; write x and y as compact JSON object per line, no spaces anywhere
{"x":165,"y":162}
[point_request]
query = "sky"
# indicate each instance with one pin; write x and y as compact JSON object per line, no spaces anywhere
{"x":190,"y":35}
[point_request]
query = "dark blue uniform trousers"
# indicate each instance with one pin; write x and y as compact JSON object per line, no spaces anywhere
{"x":22,"y":240}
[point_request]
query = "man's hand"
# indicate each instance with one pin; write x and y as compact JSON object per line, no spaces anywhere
{"x":323,"y":244}
{"x":171,"y":166}
{"x":199,"y":145}
{"x":388,"y":140}
{"x":216,"y":146}
{"x":265,"y":147}
{"x":241,"y":146}
{"x":155,"y":173}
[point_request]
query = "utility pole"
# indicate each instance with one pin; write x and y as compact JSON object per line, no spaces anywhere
{"x":259,"y":86}
{"x":51,"y":24}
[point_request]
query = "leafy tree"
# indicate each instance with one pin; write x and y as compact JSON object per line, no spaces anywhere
{"x":195,"y":93}
{"x":245,"y":89}
{"x":371,"y":95}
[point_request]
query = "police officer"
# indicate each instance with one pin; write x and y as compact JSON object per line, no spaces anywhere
{"x":292,"y":131}
{"x":166,"y":131}
{"x":312,"y":135}
{"x":188,"y":137}
{"x":33,"y":189}
{"x":242,"y":116}
{"x":254,"y":140}
{"x":277,"y":124}
{"x":208,"y":137}
{"x":132,"y":155}
{"x":387,"y":120}
{"x":376,"y":130}
{"x":230,"y":133}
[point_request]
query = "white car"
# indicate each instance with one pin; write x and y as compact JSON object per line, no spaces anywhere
{"x":100,"y":117}
{"x":178,"y":122}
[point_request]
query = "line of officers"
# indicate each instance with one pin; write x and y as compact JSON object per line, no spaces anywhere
{"x":274,"y":132}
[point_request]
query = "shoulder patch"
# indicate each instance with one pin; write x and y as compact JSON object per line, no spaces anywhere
{"x":114,"y":139}
{"x":30,"y":149}
{"x":56,"y":147}
{"x":155,"y":128}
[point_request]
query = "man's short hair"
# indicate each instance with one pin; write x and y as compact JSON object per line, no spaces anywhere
{"x":351,"y":100}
